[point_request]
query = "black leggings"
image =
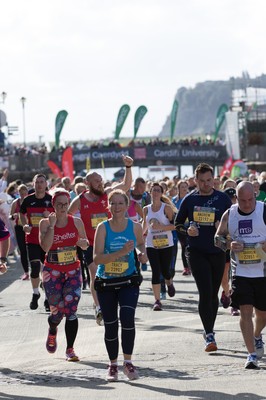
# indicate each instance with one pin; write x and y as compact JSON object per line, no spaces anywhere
{"x":207,"y":270}
{"x":127,"y":299}
{"x":160,"y":261}
{"x":20,"y":236}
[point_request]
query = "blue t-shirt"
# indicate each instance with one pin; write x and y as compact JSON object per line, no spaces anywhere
{"x":205,"y":211}
{"x":115,"y":241}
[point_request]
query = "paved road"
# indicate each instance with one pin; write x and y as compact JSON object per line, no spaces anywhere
{"x":169,"y":351}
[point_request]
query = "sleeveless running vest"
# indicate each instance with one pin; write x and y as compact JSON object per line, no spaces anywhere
{"x":158,"y":239}
{"x":249,"y":229}
{"x":92,"y":213}
{"x":115,"y":241}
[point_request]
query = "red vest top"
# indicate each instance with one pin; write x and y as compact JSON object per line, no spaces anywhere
{"x":92,"y":213}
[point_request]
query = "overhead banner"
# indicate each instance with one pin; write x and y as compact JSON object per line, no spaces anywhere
{"x":139,"y":114}
{"x":220,"y":116}
{"x":55,"y":169}
{"x":173,"y":119}
{"x":67,"y":163}
{"x":59,"y":123}
{"x":122,"y":116}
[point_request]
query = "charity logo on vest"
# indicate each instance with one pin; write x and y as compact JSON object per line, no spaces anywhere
{"x":245,"y":227}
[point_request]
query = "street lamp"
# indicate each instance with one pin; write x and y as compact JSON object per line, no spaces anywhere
{"x":3,"y":95}
{"x":23,"y":101}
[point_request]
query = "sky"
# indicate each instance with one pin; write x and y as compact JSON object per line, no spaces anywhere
{"x":90,"y":57}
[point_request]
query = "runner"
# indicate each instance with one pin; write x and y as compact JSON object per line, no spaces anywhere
{"x":33,"y":208}
{"x":117,"y":281}
{"x":59,"y":236}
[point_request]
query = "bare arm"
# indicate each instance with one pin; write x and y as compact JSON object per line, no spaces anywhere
{"x":221,"y":239}
{"x":82,"y":242}
{"x":127,"y":181}
{"x":74,"y":206}
{"x":46,"y":232}
{"x":142,"y":256}
{"x":144,"y":222}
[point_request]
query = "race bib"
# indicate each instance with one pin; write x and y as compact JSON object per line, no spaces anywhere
{"x":160,"y":241}
{"x":67,"y":256}
{"x":204,"y":215}
{"x":35,"y":219}
{"x":97,"y":218}
{"x":249,"y":255}
{"x":116,"y":268}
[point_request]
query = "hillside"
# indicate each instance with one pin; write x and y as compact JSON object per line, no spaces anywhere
{"x":198,"y":106}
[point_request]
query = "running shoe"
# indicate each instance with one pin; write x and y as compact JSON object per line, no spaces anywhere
{"x":99,"y":316}
{"x":225,"y":300}
{"x":252,"y":362}
{"x":71,"y":355}
{"x":112,"y":373}
{"x":130,"y":371}
{"x":157,"y":306}
{"x":144,"y":267}
{"x":210,"y":344}
{"x":259,"y":346}
{"x":46,"y":305}
{"x":186,"y":272}
{"x":163,"y":295}
{"x":171,"y":290}
{"x":51,"y":344}
{"x":34,"y":301}
{"x":25,"y":277}
{"x":235,"y":312}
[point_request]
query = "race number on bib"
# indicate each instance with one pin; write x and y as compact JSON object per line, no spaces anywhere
{"x":249,"y":255}
{"x":35,"y":219}
{"x":97,"y":218}
{"x":160,"y":241}
{"x":204,"y":215}
{"x":116,"y":268}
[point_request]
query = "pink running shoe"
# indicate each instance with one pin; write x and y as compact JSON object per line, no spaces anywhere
{"x":130,"y":371}
{"x":71,"y":356}
{"x":51,"y":344}
{"x":112,"y":373}
{"x":25,"y":277}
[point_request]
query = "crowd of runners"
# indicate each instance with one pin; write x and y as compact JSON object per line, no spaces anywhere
{"x":101,"y":235}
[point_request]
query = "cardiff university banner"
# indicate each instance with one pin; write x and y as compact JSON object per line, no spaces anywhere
{"x":59,"y":123}
{"x":173,"y":119}
{"x":67,"y":163}
{"x":122,"y":116}
{"x":139,"y":114}
{"x":55,"y":169}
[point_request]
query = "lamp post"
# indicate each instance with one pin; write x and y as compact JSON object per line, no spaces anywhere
{"x":23,"y":101}
{"x":2,"y":114}
{"x":3,"y":95}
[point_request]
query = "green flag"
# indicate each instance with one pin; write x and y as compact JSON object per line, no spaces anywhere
{"x":219,"y":119}
{"x":173,"y":119}
{"x":139,"y":114}
{"x":122,"y":115}
{"x":59,"y":123}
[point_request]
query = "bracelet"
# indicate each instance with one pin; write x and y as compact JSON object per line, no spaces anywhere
{"x":50,"y":227}
{"x":128,"y":166}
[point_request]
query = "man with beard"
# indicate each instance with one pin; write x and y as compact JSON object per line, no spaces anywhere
{"x":93,"y":207}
